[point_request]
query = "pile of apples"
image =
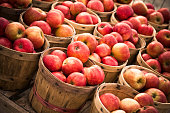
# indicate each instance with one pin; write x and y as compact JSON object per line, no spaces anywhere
{"x":14,"y":36}
{"x":148,"y":82}
{"x":141,"y":103}
{"x":19,"y":4}
{"x":77,"y":12}
{"x":51,"y":23}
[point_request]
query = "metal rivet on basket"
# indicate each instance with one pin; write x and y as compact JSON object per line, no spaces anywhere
{"x":56,"y":84}
{"x":134,"y":93}
{"x":102,"y":67}
{"x":20,"y":55}
{"x":155,"y":104}
{"x":12,"y":79}
{"x":101,"y":109}
{"x":118,"y":86}
{"x":1,"y":48}
{"x":83,"y":27}
{"x":103,"y":87}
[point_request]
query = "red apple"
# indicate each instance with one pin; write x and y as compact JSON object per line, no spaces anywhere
{"x":150,"y":6}
{"x":154,"y":64}
{"x":84,"y":1}
{"x":149,"y":12}
{"x":156,"y":17}
{"x":117,"y":36}
{"x":163,"y":37}
{"x":20,"y":3}
{"x":96,"y":5}
{"x":5,"y":42}
{"x":52,"y":62}
{"x":64,"y":30}
{"x":157,"y":95}
{"x":65,"y":10}
{"x":84,"y":18}
{"x":77,"y":79}
{"x":130,"y":44}
{"x":134,"y":38}
{"x":142,"y":19}
{"x":109,"y":60}
{"x":148,"y":109}
{"x":108,"y":5}
{"x":95,"y":57}
{"x":128,"y":22}
{"x":104,"y":28}
{"x":103,"y":50}
{"x":6,"y":5}
{"x":152,"y":81}
{"x":60,"y":76}
{"x":67,"y":3}
{"x":145,"y":30}
{"x":118,"y":111}
{"x":146,"y":57}
{"x":135,"y":78}
{"x":135,"y":22}
{"x":60,"y":54}
{"x":3,"y":23}
{"x":164,"y":60}
{"x":94,"y":74}
{"x":139,"y":7}
{"x":94,"y":19}
{"x":108,"y":39}
{"x":164,"y":85}
{"x":77,"y":7}
{"x":79,"y":50}
{"x":165,"y":13}
{"x":110,"y":101}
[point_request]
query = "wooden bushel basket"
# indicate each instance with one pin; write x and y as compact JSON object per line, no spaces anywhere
{"x":118,"y":90}
{"x":51,"y":95}
{"x":18,"y":68}
{"x":162,"y":107}
{"x":159,"y":27}
{"x":113,"y":19}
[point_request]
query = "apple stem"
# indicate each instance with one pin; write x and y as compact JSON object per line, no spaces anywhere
{"x":153,"y":95}
{"x":19,"y":31}
{"x":20,"y":45}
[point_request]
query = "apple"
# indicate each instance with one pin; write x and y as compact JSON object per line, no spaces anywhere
{"x":135,"y":22}
{"x":5,"y":42}
{"x":118,"y":111}
{"x":145,"y":30}
{"x":164,"y":85}
{"x":6,"y":5}
{"x":154,"y":64}
{"x":146,"y":56}
{"x":89,"y":40}
{"x":95,"y":57}
{"x":108,"y":39}
{"x":130,"y":44}
{"x":156,"y":17}
{"x":164,"y":60}
{"x":36,"y":35}
{"x":94,"y":19}
{"x":163,"y":37}
{"x":55,"y":18}
{"x":123,"y":12}
{"x":60,"y":54}
{"x":144,"y":99}
{"x":64,"y":30}
{"x":108,"y":5}
{"x":149,"y":12}
{"x":20,"y":3}
{"x":77,"y":79}
{"x":79,"y":50}
{"x":104,"y":28}
{"x":135,"y":78}
{"x":134,"y":38}
{"x":109,"y":60}
{"x":94,"y":74}
{"x":67,"y":3}
{"x":147,"y":109}
{"x":52,"y":62}
{"x":128,"y":22}
{"x":152,"y":81}
{"x":150,"y":6}
{"x":3,"y":23}
{"x":65,"y":10}
{"x":77,"y":7}
{"x":117,"y":36}
{"x":154,"y":49}
{"x":139,"y":7}
{"x":2,"y":1}
{"x":124,"y":30}
{"x":142,"y":19}
{"x":14,"y":30}
{"x":110,"y":101}
{"x":69,"y":63}
{"x":103,"y":50}
{"x":84,"y":18}
{"x":96,"y":5}
{"x":84,"y":1}
{"x":131,"y":107}
{"x":60,"y":76}
{"x":43,"y":25}
{"x":166,"y":74}
{"x":165,"y":13}
{"x":33,"y":14}
{"x":157,"y":95}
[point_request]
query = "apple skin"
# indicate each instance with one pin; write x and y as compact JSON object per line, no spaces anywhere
{"x":146,"y":57}
{"x":109,"y":60}
{"x":89,"y":40}
{"x":65,"y":10}
{"x":130,"y":44}
{"x":94,"y":74}
{"x":96,"y":5}
{"x":20,"y":3}
{"x":142,"y":19}
{"x":108,"y":5}
{"x":121,"y":52}
{"x":104,"y":28}
{"x":118,"y":111}
{"x":77,"y":7}
{"x":147,"y":109}
{"x":123,"y":12}
{"x":94,"y":19}
{"x":5,"y":42}
{"x":165,"y":13}
{"x":145,"y":30}
{"x":164,"y":60}
{"x":6,"y":5}
{"x":84,"y":18}
{"x":108,"y":39}
{"x":55,"y":18}
{"x":36,"y":35}
{"x":84,"y":1}
{"x":163,"y":37}
{"x":149,"y":12}
{"x":77,"y":79}
{"x":43,"y":25}
{"x":60,"y":76}
{"x":69,"y":63}
{"x":152,"y":81}
{"x":67,"y":3}
{"x":14,"y":30}
{"x":23,"y":45}
{"x":110,"y":101}
{"x":128,"y":22}
{"x":156,"y":17}
{"x":135,"y":22}
{"x":124,"y":30}
{"x":117,"y":36}
{"x":135,"y":78}
{"x":52,"y":62}
{"x":33,"y":14}
{"x":103,"y":50}
{"x":154,"y":49}
{"x":157,"y":95}
{"x":79,"y":50}
{"x":144,"y":99}
{"x":139,"y":8}
{"x":134,"y":38}
{"x":131,"y":107}
{"x":64,"y":30}
{"x":60,"y":54}
{"x":164,"y":85}
{"x":150,"y":6}
{"x":154,"y":64}
{"x":95,"y":57}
